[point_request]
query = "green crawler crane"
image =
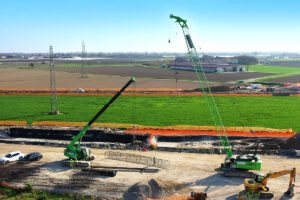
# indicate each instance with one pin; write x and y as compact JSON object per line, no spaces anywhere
{"x":234,"y":165}
{"x":75,"y":151}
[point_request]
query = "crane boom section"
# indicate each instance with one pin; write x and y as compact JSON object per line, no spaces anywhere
{"x":83,"y":131}
{"x":194,"y":57}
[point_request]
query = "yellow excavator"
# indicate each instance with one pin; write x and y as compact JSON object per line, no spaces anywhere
{"x":258,"y":184}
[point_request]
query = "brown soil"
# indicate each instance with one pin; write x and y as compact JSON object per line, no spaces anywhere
{"x":165,"y":73}
{"x":196,"y":171}
{"x":290,"y":79}
{"x":25,"y":78}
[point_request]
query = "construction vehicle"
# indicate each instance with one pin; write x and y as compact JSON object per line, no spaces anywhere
{"x":234,"y":165}
{"x":76,"y":152}
{"x":258,"y":184}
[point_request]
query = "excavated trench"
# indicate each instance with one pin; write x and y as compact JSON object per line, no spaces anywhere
{"x":96,"y":135}
{"x":118,"y":139}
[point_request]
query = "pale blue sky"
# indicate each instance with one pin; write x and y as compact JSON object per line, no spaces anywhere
{"x":144,"y":25}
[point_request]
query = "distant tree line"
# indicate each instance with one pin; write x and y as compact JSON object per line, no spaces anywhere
{"x":246,"y":60}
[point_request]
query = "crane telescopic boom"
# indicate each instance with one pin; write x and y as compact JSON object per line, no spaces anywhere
{"x":232,"y":162}
{"x":76,"y":152}
{"x":204,"y":85}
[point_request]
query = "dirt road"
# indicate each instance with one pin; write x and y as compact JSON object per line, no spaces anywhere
{"x":195,"y":171}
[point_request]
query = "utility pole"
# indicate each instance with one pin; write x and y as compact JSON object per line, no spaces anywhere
{"x":54,"y":102}
{"x":83,"y":60}
{"x":176,"y":77}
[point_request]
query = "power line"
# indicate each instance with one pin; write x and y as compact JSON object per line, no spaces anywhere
{"x":83,"y":61}
{"x":54,"y":102}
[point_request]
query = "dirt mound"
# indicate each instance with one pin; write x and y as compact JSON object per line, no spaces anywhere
{"x":292,"y":143}
{"x":154,"y":188}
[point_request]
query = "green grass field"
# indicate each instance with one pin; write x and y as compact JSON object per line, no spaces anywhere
{"x":270,"y":112}
{"x":274,"y":69}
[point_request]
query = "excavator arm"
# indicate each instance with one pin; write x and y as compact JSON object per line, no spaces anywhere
{"x":259,"y":183}
{"x":292,"y":173}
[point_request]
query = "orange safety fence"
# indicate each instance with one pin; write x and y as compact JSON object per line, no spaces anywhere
{"x":174,"y":127}
{"x":210,"y":133}
{"x":13,"y":123}
{"x":172,"y":130}
{"x":53,"y":123}
{"x":129,"y":94}
{"x":96,"y":89}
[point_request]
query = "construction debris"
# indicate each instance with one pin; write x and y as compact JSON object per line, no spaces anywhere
{"x":140,"y":169}
{"x":101,"y":172}
{"x":3,"y":134}
{"x":76,"y":163}
{"x":292,"y":143}
{"x":128,"y":157}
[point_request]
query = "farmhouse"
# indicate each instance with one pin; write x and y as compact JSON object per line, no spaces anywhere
{"x":207,"y":67}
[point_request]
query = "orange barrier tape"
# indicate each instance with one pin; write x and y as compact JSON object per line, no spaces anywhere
{"x":130,"y":94}
{"x":212,"y":133}
{"x":173,"y":130}
{"x":175,"y":127}
{"x":13,"y":123}
{"x":53,"y":123}
{"x":97,"y":89}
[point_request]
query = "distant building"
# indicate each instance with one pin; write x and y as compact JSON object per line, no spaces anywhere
{"x":207,"y":67}
{"x":234,"y":61}
{"x":264,"y":62}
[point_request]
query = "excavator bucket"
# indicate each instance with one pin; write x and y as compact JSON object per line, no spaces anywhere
{"x":290,"y":192}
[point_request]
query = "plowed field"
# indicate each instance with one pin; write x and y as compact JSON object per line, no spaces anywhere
{"x":164,"y":73}
{"x":290,"y":79}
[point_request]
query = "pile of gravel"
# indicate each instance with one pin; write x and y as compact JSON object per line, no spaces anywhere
{"x":154,"y":188}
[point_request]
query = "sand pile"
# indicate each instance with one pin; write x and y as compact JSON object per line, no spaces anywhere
{"x":154,"y":188}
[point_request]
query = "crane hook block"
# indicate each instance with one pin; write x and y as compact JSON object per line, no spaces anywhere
{"x":189,"y":40}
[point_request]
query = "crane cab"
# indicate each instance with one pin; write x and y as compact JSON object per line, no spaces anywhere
{"x":253,"y":185}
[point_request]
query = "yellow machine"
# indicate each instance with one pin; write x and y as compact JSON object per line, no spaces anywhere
{"x":259,"y":183}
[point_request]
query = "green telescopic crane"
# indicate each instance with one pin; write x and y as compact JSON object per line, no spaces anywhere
{"x":75,"y":151}
{"x":231,"y":161}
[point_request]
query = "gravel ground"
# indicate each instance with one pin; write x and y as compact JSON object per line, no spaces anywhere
{"x":195,"y":171}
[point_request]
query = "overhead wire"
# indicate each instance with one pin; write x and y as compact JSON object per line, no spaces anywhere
{"x":233,"y":102}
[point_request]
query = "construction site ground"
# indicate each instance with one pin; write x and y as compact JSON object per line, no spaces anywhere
{"x":186,"y":172}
